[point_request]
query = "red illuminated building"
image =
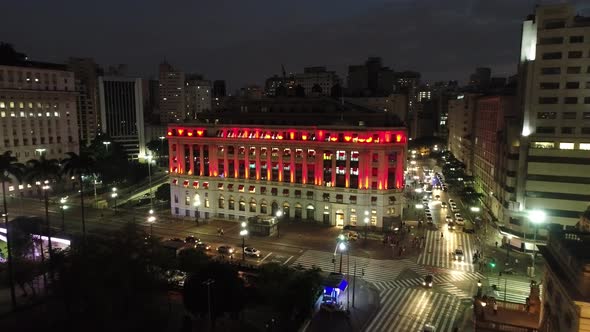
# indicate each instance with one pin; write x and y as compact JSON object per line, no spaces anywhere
{"x":331,"y":174}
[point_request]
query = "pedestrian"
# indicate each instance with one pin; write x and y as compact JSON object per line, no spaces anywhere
{"x":495,"y":308}
{"x":496,"y":244}
{"x":441,"y":235}
{"x":222,"y":232}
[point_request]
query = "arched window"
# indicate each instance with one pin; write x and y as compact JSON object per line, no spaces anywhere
{"x":298,"y":212}
{"x":221,"y":202}
{"x":310,"y":213}
{"x":263,"y":207}
{"x":253,"y":205}
{"x":286,"y":210}
{"x":242,"y":205}
{"x":232,"y":203}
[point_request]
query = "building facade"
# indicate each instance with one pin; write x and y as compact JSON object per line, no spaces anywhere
{"x":460,"y":122}
{"x":566,"y":283}
{"x":317,"y":81}
{"x":171,"y":91}
{"x":38,"y":112}
{"x":86,"y":72}
{"x":554,"y":165}
{"x":329,"y":175}
{"x":198,"y":96}
{"x":121,"y":108}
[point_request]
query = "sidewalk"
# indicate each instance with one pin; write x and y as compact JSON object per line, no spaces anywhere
{"x":365,"y":306}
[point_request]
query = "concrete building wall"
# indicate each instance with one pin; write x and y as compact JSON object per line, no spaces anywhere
{"x":171,"y":91}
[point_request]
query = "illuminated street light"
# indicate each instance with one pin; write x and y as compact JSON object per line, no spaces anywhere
{"x":106,"y":144}
{"x":366,"y":220}
{"x":475,"y":209}
{"x":243,"y":234}
{"x":114,"y":196}
{"x":419,"y":206}
{"x":196,"y":204}
{"x":151,"y":220}
{"x":278,"y":214}
{"x":63,"y":207}
{"x":536,"y":217}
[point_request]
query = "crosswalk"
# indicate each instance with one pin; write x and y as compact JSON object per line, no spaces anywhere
{"x":455,"y":291}
{"x":375,"y":270}
{"x":514,"y":291}
{"x":438,"y":279}
{"x":408,"y":309}
{"x":439,"y":251}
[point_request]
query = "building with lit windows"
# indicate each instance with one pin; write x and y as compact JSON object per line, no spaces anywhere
{"x":335,"y":175}
{"x":38,"y":110}
{"x":554,"y":156}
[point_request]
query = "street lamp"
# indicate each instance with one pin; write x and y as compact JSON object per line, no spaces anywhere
{"x":342,"y":247}
{"x":278,"y":214}
{"x":149,"y":160}
{"x":40,"y":151}
{"x":196,"y":204}
{"x":114,"y":196}
{"x":162,"y":138}
{"x":151,"y":220}
{"x":475,"y":209}
{"x":106,"y":144}
{"x":479,"y":288}
{"x":243,"y":234}
{"x":63,"y":207}
{"x":536,"y":217}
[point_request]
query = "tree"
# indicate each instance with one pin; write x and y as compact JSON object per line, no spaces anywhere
{"x":159,"y":147}
{"x":9,"y":56}
{"x":78,"y":166}
{"x":10,"y":170}
{"x":163,"y":192}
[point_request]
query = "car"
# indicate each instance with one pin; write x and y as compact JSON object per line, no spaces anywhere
{"x":451,"y":226}
{"x":225,"y":250}
{"x":429,"y":219}
{"x":429,"y":215}
{"x":443,"y":205}
{"x":437,"y":197}
{"x":448,"y":219}
{"x":454,"y":209}
{"x":191,"y":239}
{"x":458,"y":215}
{"x":460,"y":221}
{"x":427,"y":282}
{"x":426,"y":210}
{"x":428,"y":328}
{"x":349,"y":227}
{"x":451,"y":201}
{"x":458,"y":254}
{"x":203,"y":246}
{"x":251,"y":251}
{"x":351,"y":235}
{"x":445,"y":188}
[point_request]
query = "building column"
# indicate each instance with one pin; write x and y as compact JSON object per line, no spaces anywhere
{"x":257,"y":154}
{"x":192,"y":160}
{"x":399,"y":170}
{"x":180,"y":158}
{"x":347,"y":170}
{"x":201,"y":161}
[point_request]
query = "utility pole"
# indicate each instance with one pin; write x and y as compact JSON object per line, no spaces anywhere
{"x":353,"y":283}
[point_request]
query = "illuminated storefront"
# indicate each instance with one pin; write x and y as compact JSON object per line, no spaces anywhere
{"x":317,"y":174}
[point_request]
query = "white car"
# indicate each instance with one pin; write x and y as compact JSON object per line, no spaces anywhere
{"x":428,"y":328}
{"x":451,"y":201}
{"x":426,"y":210}
{"x":428,"y":215}
{"x":429,"y":219}
{"x":454,"y":209}
{"x":458,"y":254}
{"x":460,"y":221}
{"x":458,"y":215}
{"x":448,"y":218}
{"x":443,"y":205}
{"x":253,"y":252}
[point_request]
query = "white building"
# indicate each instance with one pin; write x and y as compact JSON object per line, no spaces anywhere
{"x":121,"y":110}
{"x":38,"y":111}
{"x":317,"y":77}
{"x":554,"y":164}
{"x":198,"y":97}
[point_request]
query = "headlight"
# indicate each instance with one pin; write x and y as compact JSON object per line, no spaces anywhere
{"x":231,"y":250}
{"x":456,"y":257}
{"x":430,"y":285}
{"x":423,"y":283}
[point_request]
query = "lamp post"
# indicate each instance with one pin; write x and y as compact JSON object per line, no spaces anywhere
{"x":479,"y":288}
{"x":536,"y":217}
{"x":106,"y":144}
{"x":162,"y":138}
{"x":243,"y":234}
{"x":196,"y":204}
{"x":342,"y":248}
{"x":208,"y":283}
{"x":278,"y":214}
{"x":149,"y":160}
{"x":63,"y":207}
{"x":114,"y":196}
{"x":151,"y":220}
{"x":40,"y":151}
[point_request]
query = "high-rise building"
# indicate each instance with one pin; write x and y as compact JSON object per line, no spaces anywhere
{"x":461,"y":122}
{"x":172,"y":99}
{"x":370,"y":79}
{"x":121,"y":108}
{"x":38,"y":112}
{"x":480,"y":80}
{"x":219,"y":90}
{"x":317,"y":81}
{"x":86,"y":72}
{"x":198,"y":96}
{"x":407,"y":82}
{"x":333,"y":175}
{"x":554,"y":158}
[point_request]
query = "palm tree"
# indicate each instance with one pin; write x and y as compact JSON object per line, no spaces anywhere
{"x":45,"y":172}
{"x":10,"y":169}
{"x":78,"y":166}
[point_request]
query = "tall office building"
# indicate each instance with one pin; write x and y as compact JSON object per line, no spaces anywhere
{"x":219,"y":90}
{"x":370,"y":79}
{"x":86,"y":72}
{"x":317,"y":81}
{"x":171,"y":90}
{"x":37,"y":110}
{"x":121,"y":108}
{"x":197,"y":92}
{"x":554,"y":164}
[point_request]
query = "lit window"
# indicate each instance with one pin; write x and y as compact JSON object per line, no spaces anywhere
{"x":2,"y":104}
{"x":3,"y":114}
{"x":543,"y":145}
{"x":11,"y":104}
{"x":566,"y":146}
{"x":584,"y":146}
{"x":56,"y":113}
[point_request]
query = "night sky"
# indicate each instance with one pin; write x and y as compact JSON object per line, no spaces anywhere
{"x":247,"y":41}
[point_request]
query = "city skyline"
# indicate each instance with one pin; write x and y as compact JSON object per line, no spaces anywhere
{"x":232,"y":41}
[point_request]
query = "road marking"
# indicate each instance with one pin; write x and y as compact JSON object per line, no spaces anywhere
{"x":287,"y":261}
{"x":265,"y":257}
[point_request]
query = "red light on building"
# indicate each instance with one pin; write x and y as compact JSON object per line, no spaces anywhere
{"x":292,"y":135}
{"x":169,"y":133}
{"x":370,"y":139}
{"x":333,"y":139}
{"x":199,"y":132}
{"x":347,"y":138}
{"x":180,"y":132}
{"x":304,"y":137}
{"x":398,"y":138}
{"x":189,"y":133}
{"x":279,"y":136}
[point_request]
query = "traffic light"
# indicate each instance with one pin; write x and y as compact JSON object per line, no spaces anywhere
{"x":492,"y":263}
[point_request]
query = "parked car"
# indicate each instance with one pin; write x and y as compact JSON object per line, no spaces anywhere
{"x":454,"y":209}
{"x":175,"y":239}
{"x":458,"y":215}
{"x":427,"y":282}
{"x":460,"y":220}
{"x":459,"y":254}
{"x":203,"y":246}
{"x":443,"y":205}
{"x":451,"y":201}
{"x":428,"y":328}
{"x":191,"y":239}
{"x":252,"y":252}
{"x":448,"y":218}
{"x":225,"y":250}
{"x":451,"y":226}
{"x":429,"y":219}
{"x":437,"y":197}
